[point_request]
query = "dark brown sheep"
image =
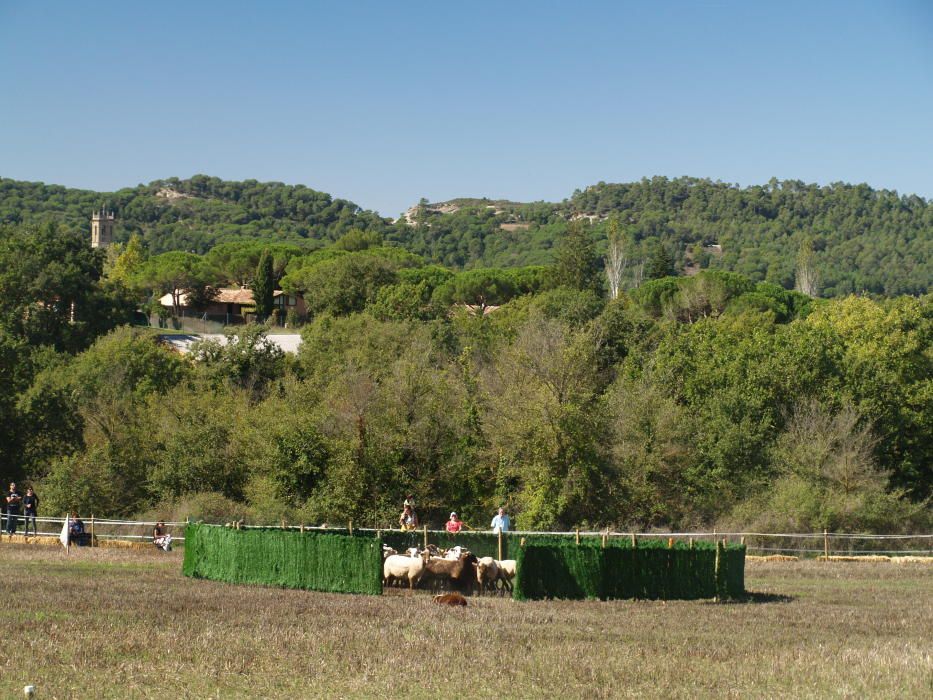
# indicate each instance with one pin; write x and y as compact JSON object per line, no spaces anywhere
{"x":456,"y":573}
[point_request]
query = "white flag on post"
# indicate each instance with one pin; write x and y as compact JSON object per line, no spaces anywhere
{"x":63,"y":538}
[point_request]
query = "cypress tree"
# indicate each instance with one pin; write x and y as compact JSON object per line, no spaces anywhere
{"x":264,"y":286}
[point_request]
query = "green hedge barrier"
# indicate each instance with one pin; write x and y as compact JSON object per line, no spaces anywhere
{"x":652,"y":570}
{"x":315,"y":561}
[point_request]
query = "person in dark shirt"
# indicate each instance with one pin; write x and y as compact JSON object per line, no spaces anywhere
{"x":30,"y":510}
{"x":13,"y":500}
{"x":160,"y":538}
{"x":76,"y":531}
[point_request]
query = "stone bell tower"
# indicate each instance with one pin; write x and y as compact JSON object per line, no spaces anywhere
{"x":102,"y":228}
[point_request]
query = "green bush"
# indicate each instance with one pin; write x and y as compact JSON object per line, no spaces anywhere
{"x":309,"y":560}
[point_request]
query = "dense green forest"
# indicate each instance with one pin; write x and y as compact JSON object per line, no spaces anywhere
{"x":194,"y":214}
{"x":859,"y":240}
{"x":672,"y":401}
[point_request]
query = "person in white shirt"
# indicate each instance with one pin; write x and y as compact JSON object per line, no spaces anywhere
{"x":500,"y":522}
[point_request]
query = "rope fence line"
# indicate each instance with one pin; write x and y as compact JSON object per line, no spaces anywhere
{"x":108,"y":529}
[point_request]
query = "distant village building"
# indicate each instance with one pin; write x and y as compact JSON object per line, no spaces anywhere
{"x":102,"y":228}
{"x":232,"y":305}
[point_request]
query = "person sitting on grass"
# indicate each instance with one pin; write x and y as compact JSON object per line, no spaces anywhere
{"x":455,"y":524}
{"x":76,"y":533}
{"x":160,"y":538}
{"x":408,"y":520}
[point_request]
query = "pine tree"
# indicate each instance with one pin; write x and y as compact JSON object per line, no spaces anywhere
{"x":578,"y":266}
{"x":661,"y":264}
{"x":264,"y":286}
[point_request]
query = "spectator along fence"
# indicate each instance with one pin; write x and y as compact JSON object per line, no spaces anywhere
{"x":107,"y":532}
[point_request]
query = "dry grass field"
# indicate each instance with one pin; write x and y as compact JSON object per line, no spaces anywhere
{"x":126,"y":624}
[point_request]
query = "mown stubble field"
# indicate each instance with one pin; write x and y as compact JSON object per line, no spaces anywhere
{"x":117,"y":624}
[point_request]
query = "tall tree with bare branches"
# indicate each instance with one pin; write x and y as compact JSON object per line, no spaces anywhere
{"x":807,"y":278}
{"x":616,"y":260}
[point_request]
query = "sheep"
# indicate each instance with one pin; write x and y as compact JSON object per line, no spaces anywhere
{"x":409,"y":569}
{"x":455,"y":552}
{"x":387,"y":551}
{"x":506,"y":572}
{"x":487,"y":573}
{"x":458,"y":573}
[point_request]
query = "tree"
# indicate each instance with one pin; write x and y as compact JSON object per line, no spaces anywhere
{"x":660,"y":264}
{"x":345,"y":283}
{"x":807,"y":279}
{"x":50,"y":284}
{"x":578,"y":265}
{"x":264,"y":286}
{"x":616,"y":260}
{"x":828,"y":478}
{"x":483,"y":288}
{"x":355,"y":239}
{"x":542,"y":429}
{"x":247,"y":358}
{"x":129,"y":261}
{"x":178,"y":274}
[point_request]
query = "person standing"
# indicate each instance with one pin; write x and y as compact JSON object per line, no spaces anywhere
{"x":30,"y":511}
{"x":13,"y":500}
{"x":500,"y":521}
{"x":455,"y":524}
{"x":408,"y":520}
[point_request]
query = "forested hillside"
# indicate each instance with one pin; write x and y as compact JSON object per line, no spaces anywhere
{"x":195,"y":214}
{"x":860,"y":240}
{"x":679,"y":401}
{"x":863,"y":240}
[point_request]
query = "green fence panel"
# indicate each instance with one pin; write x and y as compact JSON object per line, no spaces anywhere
{"x":288,"y":558}
{"x":652,"y":570}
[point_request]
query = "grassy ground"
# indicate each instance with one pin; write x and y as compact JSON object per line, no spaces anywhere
{"x":118,"y":624}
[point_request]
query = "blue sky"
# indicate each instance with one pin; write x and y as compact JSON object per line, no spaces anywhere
{"x":384,"y":103}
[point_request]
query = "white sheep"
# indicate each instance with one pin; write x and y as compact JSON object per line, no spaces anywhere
{"x":409,"y":569}
{"x":506,"y":572}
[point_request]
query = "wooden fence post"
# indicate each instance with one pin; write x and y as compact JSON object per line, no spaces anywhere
{"x":500,"y":544}
{"x":425,"y":536}
{"x":717,"y":568}
{"x":578,"y":535}
{"x":350,"y":527}
{"x":92,"y":529}
{"x":825,"y":544}
{"x":634,"y":540}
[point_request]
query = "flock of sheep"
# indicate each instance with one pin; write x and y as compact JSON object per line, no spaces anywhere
{"x":453,"y":569}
